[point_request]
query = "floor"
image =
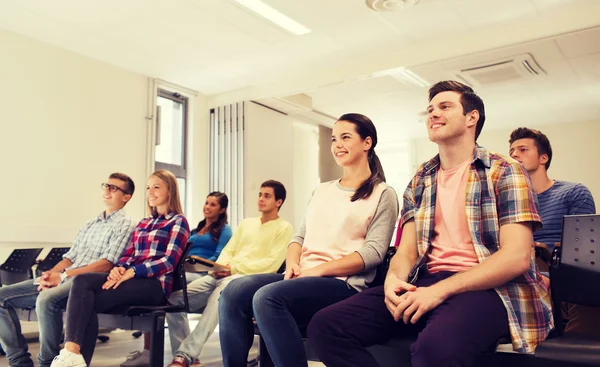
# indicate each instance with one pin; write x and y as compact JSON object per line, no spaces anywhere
{"x":121,"y":343}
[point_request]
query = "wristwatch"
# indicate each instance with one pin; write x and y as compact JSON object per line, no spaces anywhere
{"x":63,"y":276}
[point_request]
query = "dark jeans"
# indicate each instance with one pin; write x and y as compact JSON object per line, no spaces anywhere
{"x":453,"y":334}
{"x":87,"y":298}
{"x":280,"y":308}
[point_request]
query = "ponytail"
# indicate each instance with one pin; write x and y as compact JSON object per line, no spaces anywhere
{"x":377,"y":176}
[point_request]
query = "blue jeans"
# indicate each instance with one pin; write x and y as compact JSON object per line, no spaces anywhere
{"x":281,"y":309}
{"x":48,"y":304}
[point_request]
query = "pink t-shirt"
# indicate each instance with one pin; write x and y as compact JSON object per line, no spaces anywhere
{"x":452,"y":247}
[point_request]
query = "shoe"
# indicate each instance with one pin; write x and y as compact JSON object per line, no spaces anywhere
{"x":137,"y":359}
{"x":197,"y":363}
{"x":68,"y":359}
{"x":179,"y":361}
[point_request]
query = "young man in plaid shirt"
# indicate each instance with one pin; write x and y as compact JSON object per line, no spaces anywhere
{"x":464,"y":275}
{"x":96,"y":248}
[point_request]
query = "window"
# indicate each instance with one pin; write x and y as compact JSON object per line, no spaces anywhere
{"x":171,"y":132}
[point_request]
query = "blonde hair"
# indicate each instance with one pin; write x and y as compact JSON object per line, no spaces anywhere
{"x":174,"y":202}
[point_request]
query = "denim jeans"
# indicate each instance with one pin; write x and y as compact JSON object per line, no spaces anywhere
{"x":203,"y":292}
{"x":281,"y":308}
{"x":48,"y":304}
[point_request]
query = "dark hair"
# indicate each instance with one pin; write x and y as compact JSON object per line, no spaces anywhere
{"x":469,"y":100}
{"x":278,"y":189}
{"x":365,"y":128}
{"x":130,"y":186}
{"x":541,"y":141}
{"x":216,"y":227}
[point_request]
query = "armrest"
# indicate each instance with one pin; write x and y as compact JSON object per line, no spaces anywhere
{"x":542,"y":252}
{"x":141,"y":310}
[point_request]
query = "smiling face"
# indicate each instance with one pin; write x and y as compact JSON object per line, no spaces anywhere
{"x":347,"y":146}
{"x":212,"y":209}
{"x":115,"y":198}
{"x":446,"y":119}
{"x":158,"y":194}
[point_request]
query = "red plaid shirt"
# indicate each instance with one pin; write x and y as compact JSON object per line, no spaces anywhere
{"x":156,"y":246}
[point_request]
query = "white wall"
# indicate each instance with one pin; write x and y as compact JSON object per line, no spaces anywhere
{"x":67,"y":123}
{"x":198,"y":158}
{"x":575,"y":149}
{"x":328,"y":167}
{"x":306,"y":167}
{"x":268,"y":156}
{"x":278,"y":148}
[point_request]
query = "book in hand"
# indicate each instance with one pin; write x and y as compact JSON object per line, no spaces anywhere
{"x":197,"y":264}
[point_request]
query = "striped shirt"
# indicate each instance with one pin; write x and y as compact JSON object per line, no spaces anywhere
{"x":156,"y":247}
{"x":562,"y":198}
{"x":101,"y":238}
{"x":499,"y":192}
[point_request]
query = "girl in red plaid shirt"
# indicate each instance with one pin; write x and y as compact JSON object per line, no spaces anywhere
{"x":143,"y":276}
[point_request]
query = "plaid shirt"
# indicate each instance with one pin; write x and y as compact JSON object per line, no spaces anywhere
{"x":499,"y":191}
{"x":101,"y":238}
{"x":156,"y":247}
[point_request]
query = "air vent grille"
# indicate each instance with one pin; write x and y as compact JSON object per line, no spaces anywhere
{"x":515,"y":68}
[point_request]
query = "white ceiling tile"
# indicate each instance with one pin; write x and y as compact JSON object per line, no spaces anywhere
{"x":479,"y":13}
{"x":224,"y":12}
{"x":543,"y":5}
{"x":318,"y":14}
{"x":86,"y":12}
{"x":428,"y":19}
{"x":586,"y":42}
{"x":587,"y":67}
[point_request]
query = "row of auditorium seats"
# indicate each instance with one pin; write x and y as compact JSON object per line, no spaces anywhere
{"x":19,"y":265}
{"x":575,"y":266}
{"x":574,"y":278}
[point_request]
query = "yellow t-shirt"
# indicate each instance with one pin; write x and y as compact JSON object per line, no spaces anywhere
{"x":257,"y":248}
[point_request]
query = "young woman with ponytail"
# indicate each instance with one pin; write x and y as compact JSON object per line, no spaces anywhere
{"x":344,"y":237}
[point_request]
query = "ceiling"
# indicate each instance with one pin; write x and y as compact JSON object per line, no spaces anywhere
{"x":229,"y":54}
{"x":569,"y":92}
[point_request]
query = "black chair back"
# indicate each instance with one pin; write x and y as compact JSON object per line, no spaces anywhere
{"x":180,"y":281}
{"x":17,"y":267}
{"x":54,"y":257}
{"x":576,"y":265}
{"x":574,"y":274}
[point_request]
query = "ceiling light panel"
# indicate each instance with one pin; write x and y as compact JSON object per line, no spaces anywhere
{"x":273,"y":15}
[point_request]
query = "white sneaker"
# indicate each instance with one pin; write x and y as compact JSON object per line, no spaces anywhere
{"x":68,"y":359}
{"x":137,"y":359}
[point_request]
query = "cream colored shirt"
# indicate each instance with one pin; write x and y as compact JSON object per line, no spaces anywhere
{"x":257,"y":248}
{"x":335,"y":226}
